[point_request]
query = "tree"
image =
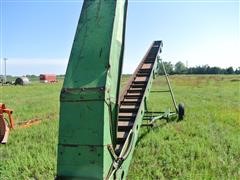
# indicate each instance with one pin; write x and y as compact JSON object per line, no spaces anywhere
{"x":180,"y":68}
{"x":230,"y":70}
{"x":214,"y":70}
{"x":168,"y":66}
{"x":237,"y":71}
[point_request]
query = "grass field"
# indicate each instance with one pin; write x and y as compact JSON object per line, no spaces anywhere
{"x":206,"y":145}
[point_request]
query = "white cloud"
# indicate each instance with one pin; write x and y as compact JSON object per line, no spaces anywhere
{"x":37,"y":61}
{"x":21,"y":66}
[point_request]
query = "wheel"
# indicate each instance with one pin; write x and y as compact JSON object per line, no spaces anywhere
{"x":181,"y":111}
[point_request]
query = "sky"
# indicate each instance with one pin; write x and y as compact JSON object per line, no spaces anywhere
{"x":36,"y":36}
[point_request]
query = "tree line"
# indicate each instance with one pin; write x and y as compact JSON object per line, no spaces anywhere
{"x":180,"y":68}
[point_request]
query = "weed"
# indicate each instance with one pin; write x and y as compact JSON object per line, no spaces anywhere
{"x":206,"y":145}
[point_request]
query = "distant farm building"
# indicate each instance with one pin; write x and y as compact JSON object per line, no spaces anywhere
{"x":48,"y":78}
{"x":22,"y":81}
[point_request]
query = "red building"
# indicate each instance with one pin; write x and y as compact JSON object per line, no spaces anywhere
{"x":48,"y":78}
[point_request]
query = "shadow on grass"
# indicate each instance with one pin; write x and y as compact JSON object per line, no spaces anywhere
{"x":152,"y":128}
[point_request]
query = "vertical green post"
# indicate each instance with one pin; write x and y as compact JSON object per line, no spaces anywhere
{"x":89,"y":97}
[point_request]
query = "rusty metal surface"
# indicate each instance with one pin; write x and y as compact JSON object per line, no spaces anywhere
{"x":4,"y":131}
{"x":5,"y":125}
{"x":132,"y":96}
{"x":138,"y":70}
{"x":29,"y":123}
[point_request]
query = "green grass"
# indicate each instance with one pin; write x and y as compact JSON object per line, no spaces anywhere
{"x":37,"y":100}
{"x":206,"y":145}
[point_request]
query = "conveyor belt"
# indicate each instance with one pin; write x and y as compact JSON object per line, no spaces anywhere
{"x":133,"y":95}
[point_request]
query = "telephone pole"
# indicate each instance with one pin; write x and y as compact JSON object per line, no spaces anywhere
{"x":5,"y":72}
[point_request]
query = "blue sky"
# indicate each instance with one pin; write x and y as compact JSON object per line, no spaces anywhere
{"x":36,"y":36}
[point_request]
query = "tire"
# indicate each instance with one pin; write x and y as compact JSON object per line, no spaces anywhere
{"x":181,"y":111}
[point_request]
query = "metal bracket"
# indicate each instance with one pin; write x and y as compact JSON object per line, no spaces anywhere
{"x":167,"y":115}
{"x":82,"y":94}
{"x":169,"y":85}
{"x":112,"y":152}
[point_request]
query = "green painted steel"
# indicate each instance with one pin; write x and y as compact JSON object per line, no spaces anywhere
{"x":121,"y":164}
{"x":89,"y":97}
